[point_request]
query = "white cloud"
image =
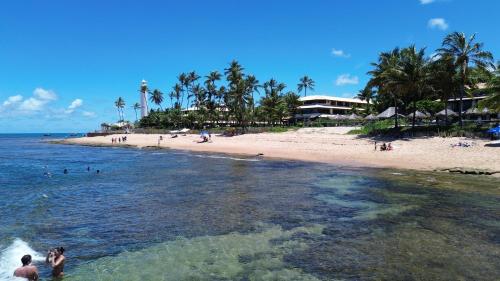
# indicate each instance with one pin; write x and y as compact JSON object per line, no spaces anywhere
{"x":346,"y":79}
{"x":32,"y":104}
{"x":435,"y":56}
{"x":12,"y":100}
{"x":88,"y":114}
{"x":438,"y":23}
{"x":43,"y":94}
{"x":340,"y":53}
{"x":425,"y":2}
{"x":75,"y":104}
{"x":17,"y":105}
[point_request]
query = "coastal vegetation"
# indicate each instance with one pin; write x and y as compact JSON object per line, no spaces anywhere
{"x":407,"y":79}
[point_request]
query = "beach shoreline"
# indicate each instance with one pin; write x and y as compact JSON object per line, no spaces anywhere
{"x":325,"y":145}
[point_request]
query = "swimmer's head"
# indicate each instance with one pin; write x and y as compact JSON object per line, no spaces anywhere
{"x":26,"y":260}
{"x":59,"y":251}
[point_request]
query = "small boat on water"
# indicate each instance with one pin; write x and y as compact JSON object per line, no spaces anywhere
{"x":47,"y":135}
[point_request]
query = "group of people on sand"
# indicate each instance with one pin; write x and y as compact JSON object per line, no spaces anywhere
{"x":55,"y":258}
{"x":119,"y":139}
{"x":384,"y":147}
{"x":205,"y":136}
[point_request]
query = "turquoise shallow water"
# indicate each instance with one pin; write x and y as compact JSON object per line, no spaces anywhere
{"x":165,"y":215}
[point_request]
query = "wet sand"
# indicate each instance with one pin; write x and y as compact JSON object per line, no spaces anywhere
{"x":327,"y":145}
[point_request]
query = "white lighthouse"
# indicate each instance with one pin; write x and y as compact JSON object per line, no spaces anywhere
{"x":144,"y":98}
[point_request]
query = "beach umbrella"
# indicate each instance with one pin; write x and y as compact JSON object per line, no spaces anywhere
{"x":388,"y":113}
{"x":371,"y":117}
{"x":476,"y":111}
{"x":353,"y":117}
{"x":450,"y":113}
{"x":418,"y":114}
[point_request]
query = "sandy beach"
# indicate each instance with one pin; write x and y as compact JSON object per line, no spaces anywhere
{"x":327,"y":145}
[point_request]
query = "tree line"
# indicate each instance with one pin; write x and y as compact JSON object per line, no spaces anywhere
{"x":405,"y":78}
{"x":409,"y":80}
{"x":196,"y":101}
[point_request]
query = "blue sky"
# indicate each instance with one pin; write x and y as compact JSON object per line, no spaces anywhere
{"x":63,"y":63}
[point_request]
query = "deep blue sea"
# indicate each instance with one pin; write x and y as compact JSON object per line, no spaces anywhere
{"x":174,"y":215}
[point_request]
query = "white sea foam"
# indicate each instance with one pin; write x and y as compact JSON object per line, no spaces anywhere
{"x":227,"y":157}
{"x":10,"y":258}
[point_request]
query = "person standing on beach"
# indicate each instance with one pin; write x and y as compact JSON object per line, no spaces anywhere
{"x":27,"y":271}
{"x":57,"y":263}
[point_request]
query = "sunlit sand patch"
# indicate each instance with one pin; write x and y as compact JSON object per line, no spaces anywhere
{"x":255,"y":256}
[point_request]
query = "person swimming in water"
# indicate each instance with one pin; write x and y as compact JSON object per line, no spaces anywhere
{"x":56,"y":260}
{"x":27,"y":271}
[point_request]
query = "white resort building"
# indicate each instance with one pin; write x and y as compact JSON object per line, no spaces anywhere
{"x":327,"y":106}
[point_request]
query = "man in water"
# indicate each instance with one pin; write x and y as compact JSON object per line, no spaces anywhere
{"x":57,"y":262}
{"x":27,"y":271}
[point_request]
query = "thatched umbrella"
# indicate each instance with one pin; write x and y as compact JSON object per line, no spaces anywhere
{"x":477,"y":111}
{"x":450,"y":113}
{"x":388,"y":113}
{"x":353,"y":117}
{"x":418,"y":114}
{"x":371,"y":117}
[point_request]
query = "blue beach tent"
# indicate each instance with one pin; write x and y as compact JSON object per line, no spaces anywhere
{"x":495,"y":130}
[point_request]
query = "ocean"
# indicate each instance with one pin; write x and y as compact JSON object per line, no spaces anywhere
{"x":177,"y":215}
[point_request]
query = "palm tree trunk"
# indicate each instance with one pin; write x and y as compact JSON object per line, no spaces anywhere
{"x":414,"y":111}
{"x":396,"y":125}
{"x":461,"y":105}
{"x":446,"y":112}
{"x":462,"y":91}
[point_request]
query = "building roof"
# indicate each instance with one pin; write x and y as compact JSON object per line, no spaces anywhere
{"x":325,"y":106}
{"x":467,"y":98}
{"x":331,"y":98}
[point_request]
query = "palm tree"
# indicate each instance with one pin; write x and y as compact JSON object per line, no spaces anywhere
{"x":177,"y":93}
{"x":136,"y":107}
{"x":465,"y":52}
{"x":192,"y":77}
{"x":253,"y":86}
{"x":237,"y":96}
{"x":120,"y":104}
{"x":184,"y":83}
{"x":273,"y":103}
{"x":305,"y":84}
{"x":292,"y":101}
{"x":492,"y":102}
{"x":211,"y":91}
{"x":444,"y":80}
{"x":199,"y":96}
{"x":156,"y":97}
{"x":386,"y":61}
{"x":410,"y":75}
{"x":367,"y":94}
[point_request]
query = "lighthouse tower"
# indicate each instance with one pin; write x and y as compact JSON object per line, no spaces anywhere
{"x":144,"y":98}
